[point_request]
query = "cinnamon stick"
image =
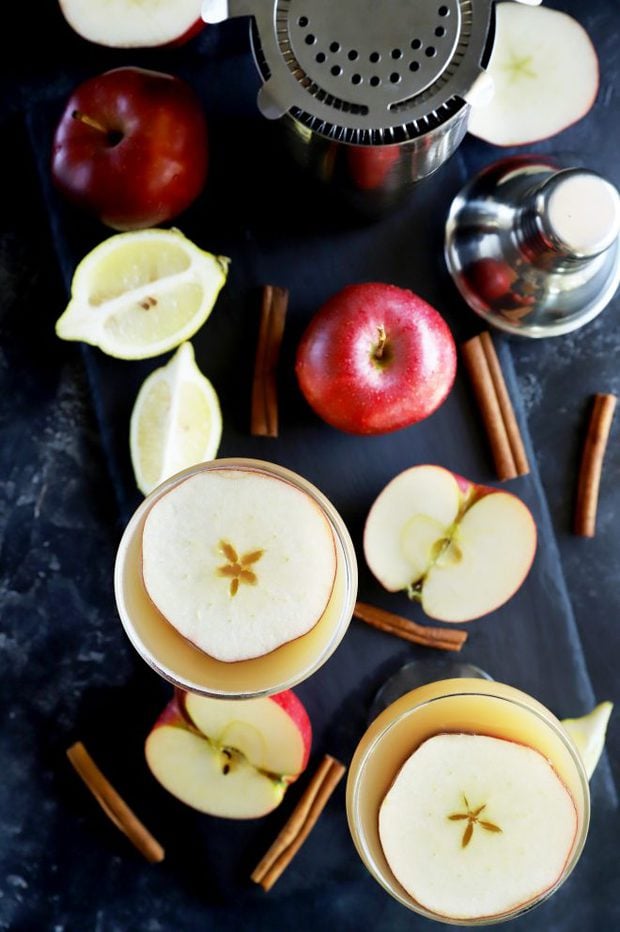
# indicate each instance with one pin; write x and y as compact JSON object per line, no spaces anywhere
{"x":592,"y":464}
{"x":113,"y":805}
{"x":300,"y":823}
{"x":440,"y":638}
{"x":495,"y":407}
{"x":264,"y":410}
{"x":503,"y":398}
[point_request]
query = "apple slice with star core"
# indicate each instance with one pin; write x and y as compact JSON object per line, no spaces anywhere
{"x":475,"y":826}
{"x":458,"y":548}
{"x":239,"y":563}
{"x":545,"y":72}
{"x":233,"y":759}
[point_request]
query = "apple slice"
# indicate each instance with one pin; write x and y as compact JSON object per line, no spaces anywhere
{"x":460,"y":549}
{"x":475,"y":826}
{"x":238,"y":562}
{"x":546,"y":76}
{"x":230,"y":759}
{"x":273,"y":732}
{"x":127,"y":24}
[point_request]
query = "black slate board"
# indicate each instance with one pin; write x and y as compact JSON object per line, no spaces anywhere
{"x":277,"y":226}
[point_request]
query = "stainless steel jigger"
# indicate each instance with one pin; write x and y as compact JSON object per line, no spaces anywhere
{"x":534,"y":248}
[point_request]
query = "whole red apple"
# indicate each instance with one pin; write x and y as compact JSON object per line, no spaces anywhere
{"x":375,"y":358}
{"x":131,"y":147}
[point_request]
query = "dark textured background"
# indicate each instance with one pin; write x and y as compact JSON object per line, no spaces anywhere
{"x":66,"y":668}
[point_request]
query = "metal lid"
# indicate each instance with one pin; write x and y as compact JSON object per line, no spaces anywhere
{"x":365,"y":71}
{"x":579,"y":212}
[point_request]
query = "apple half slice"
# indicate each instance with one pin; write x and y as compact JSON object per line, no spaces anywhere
{"x":458,"y":548}
{"x":232,"y":759}
{"x":476,"y":826}
{"x":238,"y":562}
{"x":127,"y":24}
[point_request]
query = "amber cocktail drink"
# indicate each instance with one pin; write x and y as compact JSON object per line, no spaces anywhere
{"x":176,"y":657}
{"x":467,"y":801}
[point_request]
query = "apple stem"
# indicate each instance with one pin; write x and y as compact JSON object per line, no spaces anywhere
{"x":84,"y":118}
{"x":380,"y":347}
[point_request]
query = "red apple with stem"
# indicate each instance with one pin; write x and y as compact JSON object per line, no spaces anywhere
{"x":375,"y":358}
{"x":131,"y":147}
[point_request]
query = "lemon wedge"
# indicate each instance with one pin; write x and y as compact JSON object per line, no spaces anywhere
{"x":176,"y":421}
{"x":588,"y":733}
{"x":142,"y":293}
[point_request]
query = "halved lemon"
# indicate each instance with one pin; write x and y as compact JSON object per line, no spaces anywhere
{"x":588,"y":732}
{"x":176,"y":421}
{"x":142,"y":293}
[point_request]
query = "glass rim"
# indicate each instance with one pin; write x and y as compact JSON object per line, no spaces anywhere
{"x":359,"y":837}
{"x":342,"y":538}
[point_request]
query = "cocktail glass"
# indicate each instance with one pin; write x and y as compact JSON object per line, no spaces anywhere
{"x":184,"y":665}
{"x":469,"y":705}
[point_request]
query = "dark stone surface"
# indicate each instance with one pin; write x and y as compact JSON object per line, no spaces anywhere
{"x":66,"y":669}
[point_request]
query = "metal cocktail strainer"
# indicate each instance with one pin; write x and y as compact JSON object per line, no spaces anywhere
{"x":375,"y":95}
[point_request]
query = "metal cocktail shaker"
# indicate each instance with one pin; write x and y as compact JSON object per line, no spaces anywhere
{"x":534,"y":246}
{"x":374,"y":96}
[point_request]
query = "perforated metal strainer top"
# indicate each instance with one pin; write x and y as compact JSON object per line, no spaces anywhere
{"x":365,"y":71}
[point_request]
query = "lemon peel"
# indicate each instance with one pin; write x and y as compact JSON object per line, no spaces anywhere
{"x":588,"y":733}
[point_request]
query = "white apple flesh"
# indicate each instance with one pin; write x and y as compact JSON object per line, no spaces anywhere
{"x":546,"y":76}
{"x":215,"y":782}
{"x":131,"y":24}
{"x":462,"y":550}
{"x":273,"y":733}
{"x":237,"y":562}
{"x":475,"y":826}
{"x":230,"y":759}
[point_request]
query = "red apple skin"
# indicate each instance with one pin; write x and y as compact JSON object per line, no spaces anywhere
{"x":344,"y":381}
{"x":295,"y":709}
{"x":174,"y":715}
{"x":469,"y":488}
{"x":147,"y":163}
{"x":190,"y":33}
